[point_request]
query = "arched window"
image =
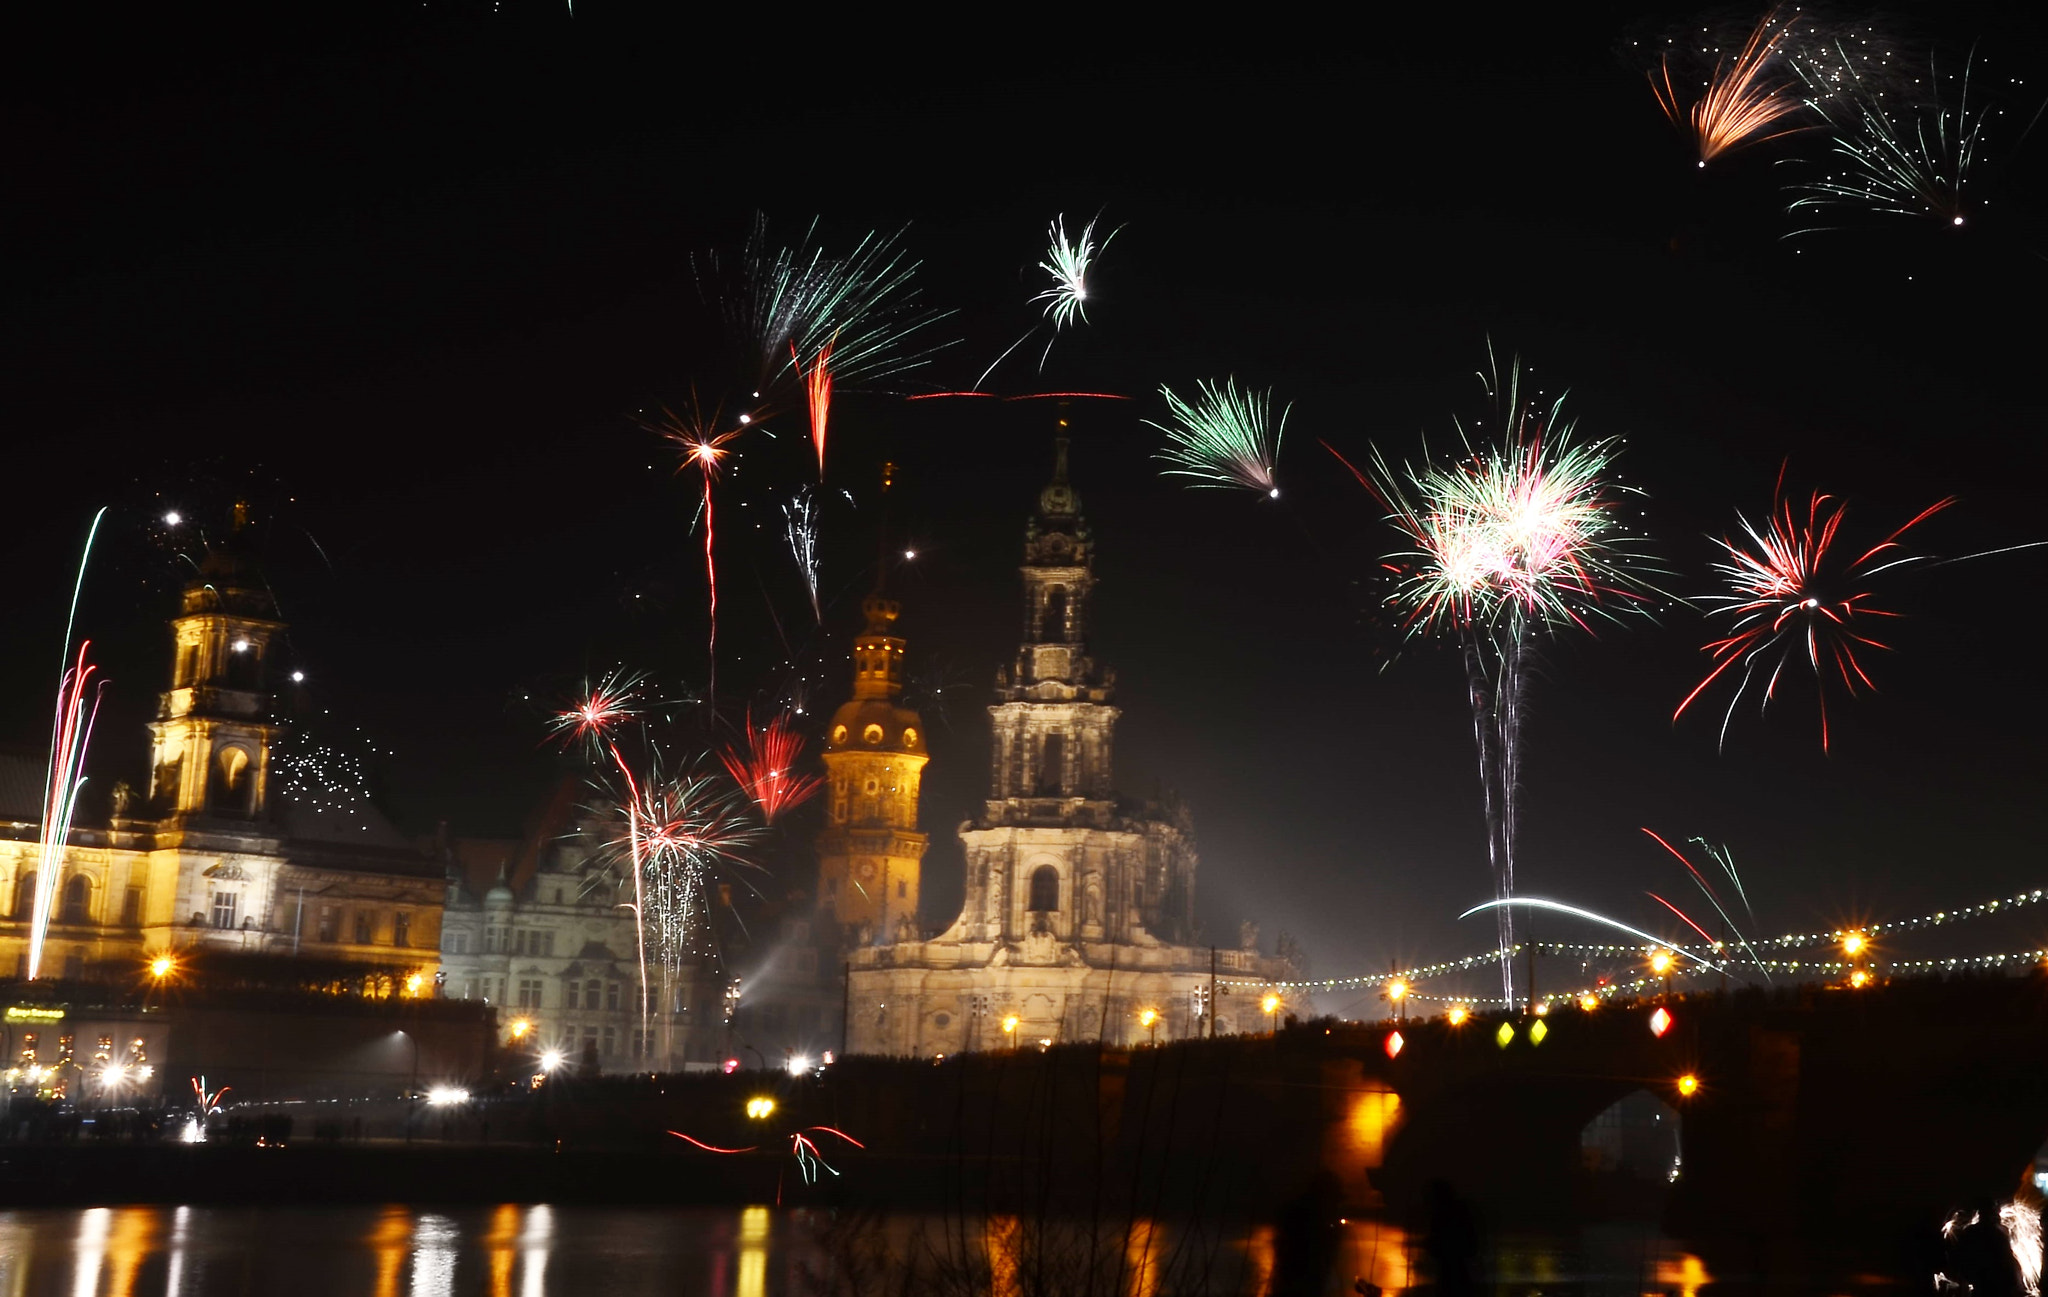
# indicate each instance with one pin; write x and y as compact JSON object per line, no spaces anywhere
{"x":1045,"y":889}
{"x":1052,"y":626}
{"x":25,"y":896}
{"x":77,"y":900}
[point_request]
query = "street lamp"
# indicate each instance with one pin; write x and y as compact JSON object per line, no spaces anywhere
{"x":1660,"y":964}
{"x":1010,"y":1028}
{"x":1271,"y":1005}
{"x":1457,"y":1014}
{"x":1397,"y":991}
{"x":1149,"y":1020}
{"x":162,"y":966}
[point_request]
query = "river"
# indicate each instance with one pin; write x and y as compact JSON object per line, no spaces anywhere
{"x":536,"y":1250}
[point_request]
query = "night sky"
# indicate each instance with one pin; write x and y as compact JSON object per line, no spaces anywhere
{"x":408,"y":283}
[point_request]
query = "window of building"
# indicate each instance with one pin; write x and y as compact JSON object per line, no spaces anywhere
{"x":591,"y":991}
{"x":639,"y":1043}
{"x":25,"y":896}
{"x":224,"y":905}
{"x":547,"y":944}
{"x":611,"y":999}
{"x":902,"y":889}
{"x":558,"y":896}
{"x":1045,"y":889}
{"x":469,"y":988}
{"x":131,"y":908}
{"x":366,"y":927}
{"x":500,"y":996}
{"x":529,"y":993}
{"x":611,"y":1041}
{"x":569,"y":995}
{"x":1052,"y":766}
{"x":1053,"y":626}
{"x":77,"y":900}
{"x":401,"y":928}
{"x":458,"y":943}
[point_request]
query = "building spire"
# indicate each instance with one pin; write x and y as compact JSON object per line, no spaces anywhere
{"x":881,"y":610}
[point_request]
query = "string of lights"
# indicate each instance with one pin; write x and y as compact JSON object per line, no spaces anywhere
{"x":1789,"y":941}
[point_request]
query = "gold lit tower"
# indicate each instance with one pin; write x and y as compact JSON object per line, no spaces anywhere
{"x":871,"y":853}
{"x":213,"y":732}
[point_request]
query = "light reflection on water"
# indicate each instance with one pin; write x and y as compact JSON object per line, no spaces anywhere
{"x":541,"y":1251}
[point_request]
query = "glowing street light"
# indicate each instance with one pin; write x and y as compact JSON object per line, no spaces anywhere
{"x":446,"y":1096}
{"x":1271,"y":1006}
{"x":1688,"y":1086}
{"x":1860,"y":978}
{"x":1660,"y":962}
{"x":1589,"y":1002}
{"x":1855,"y":944}
{"x":1396,"y":992}
{"x":519,"y":1027}
{"x":760,"y":1108}
{"x":798,"y":1064}
{"x":162,"y":966}
{"x":1149,"y":1020}
{"x":550,"y":1059}
{"x":1010,"y":1028}
{"x":1457,"y":1014}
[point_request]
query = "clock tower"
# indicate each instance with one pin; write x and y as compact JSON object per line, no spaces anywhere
{"x":871,"y":853}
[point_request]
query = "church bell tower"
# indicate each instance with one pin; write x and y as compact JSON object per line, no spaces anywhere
{"x":211,"y":740}
{"x":871,"y":853}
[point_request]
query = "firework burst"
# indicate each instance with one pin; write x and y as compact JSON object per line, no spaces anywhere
{"x":764,"y":766}
{"x":796,"y":301}
{"x":1892,"y":157}
{"x":1787,"y":595}
{"x":1068,"y":262}
{"x":1515,"y":537}
{"x":1224,"y":437}
{"x":1742,"y":99}
{"x":800,"y":529}
{"x":595,"y":721}
{"x":679,"y":834}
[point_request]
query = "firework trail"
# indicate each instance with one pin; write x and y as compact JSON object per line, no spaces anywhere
{"x":699,"y":446}
{"x":817,"y":396}
{"x":808,"y":1158}
{"x":1784,"y":592}
{"x":800,"y":528}
{"x":1224,"y":437}
{"x":1901,"y":159}
{"x":1741,"y":99}
{"x":797,"y":301}
{"x":209,"y":1100}
{"x":1559,"y":907}
{"x":1513,"y":538}
{"x":69,"y":736}
{"x":595,"y":722}
{"x":1722,"y":858}
{"x":70,"y":732}
{"x":764,"y":767}
{"x":1068,"y":261}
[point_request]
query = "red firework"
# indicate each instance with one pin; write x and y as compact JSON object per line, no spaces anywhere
{"x":706,"y":450}
{"x":764,"y":766}
{"x":1786,"y":592}
{"x":817,"y":383}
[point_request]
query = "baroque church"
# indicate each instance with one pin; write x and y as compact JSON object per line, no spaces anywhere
{"x":1078,"y":922}
{"x":232,"y":847}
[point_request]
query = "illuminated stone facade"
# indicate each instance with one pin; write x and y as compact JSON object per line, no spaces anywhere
{"x":1079,"y":912}
{"x":215,"y":854}
{"x":547,"y":939}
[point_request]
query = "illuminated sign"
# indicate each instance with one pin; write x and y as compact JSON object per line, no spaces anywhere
{"x":27,"y":1013}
